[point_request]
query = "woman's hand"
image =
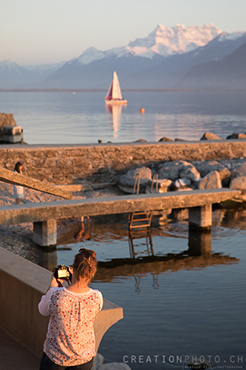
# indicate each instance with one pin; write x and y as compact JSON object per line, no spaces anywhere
{"x":55,"y":282}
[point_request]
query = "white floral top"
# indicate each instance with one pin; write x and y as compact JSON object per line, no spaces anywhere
{"x":70,"y":339}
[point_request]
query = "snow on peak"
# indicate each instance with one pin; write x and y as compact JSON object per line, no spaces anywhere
{"x":230,"y":36}
{"x":162,"y":41}
{"x":90,"y":55}
{"x":178,"y":39}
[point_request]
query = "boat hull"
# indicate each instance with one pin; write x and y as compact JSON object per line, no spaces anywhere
{"x":115,"y":101}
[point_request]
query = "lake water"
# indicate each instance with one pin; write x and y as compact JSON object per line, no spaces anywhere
{"x":67,"y":118}
{"x":180,"y":303}
{"x":183,"y":295}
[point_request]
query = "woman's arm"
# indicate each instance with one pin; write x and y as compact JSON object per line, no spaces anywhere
{"x":43,"y":305}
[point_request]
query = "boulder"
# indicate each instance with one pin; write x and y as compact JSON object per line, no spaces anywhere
{"x":175,"y":170}
{"x":165,"y":139}
{"x":140,"y":141}
{"x":236,"y":136}
{"x":114,"y":366}
{"x":181,"y":183}
{"x":190,"y":172}
{"x":239,"y":171}
{"x":210,"y":136}
{"x":210,"y":181}
{"x":205,"y":167}
{"x":239,"y":183}
{"x":162,"y":186}
{"x":231,"y":164}
{"x":7,"y":119}
{"x":126,"y":181}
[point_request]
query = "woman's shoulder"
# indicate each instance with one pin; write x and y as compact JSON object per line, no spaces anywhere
{"x":98,"y":297}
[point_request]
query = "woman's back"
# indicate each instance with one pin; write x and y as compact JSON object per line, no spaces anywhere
{"x":70,"y":339}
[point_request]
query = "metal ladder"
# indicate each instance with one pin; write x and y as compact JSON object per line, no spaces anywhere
{"x":141,"y":219}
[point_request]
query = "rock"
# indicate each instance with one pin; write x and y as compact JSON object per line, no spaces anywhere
{"x":162,"y":186}
{"x":210,"y":136}
{"x":165,"y":139}
{"x":239,"y":183}
{"x":206,"y":167}
{"x":7,"y":119}
{"x":140,"y":141}
{"x":170,"y":170}
{"x":236,"y":136}
{"x":98,"y":361}
{"x":231,"y":164}
{"x":114,"y":366}
{"x":177,"y":169}
{"x":126,"y":182}
{"x":190,"y":172}
{"x":211,"y":181}
{"x":181,"y":183}
{"x":239,"y":171}
{"x":177,"y":139}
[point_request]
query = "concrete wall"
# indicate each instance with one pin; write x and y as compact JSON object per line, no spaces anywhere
{"x":62,"y":164}
{"x":22,"y":285}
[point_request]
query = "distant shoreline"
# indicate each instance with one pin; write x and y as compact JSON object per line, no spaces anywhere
{"x":125,"y":90}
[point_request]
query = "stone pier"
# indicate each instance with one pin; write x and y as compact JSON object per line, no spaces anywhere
{"x":44,"y":215}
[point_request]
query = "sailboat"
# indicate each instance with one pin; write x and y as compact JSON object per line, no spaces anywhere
{"x":114,"y":92}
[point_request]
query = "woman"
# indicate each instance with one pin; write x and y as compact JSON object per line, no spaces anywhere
{"x":18,"y":190}
{"x":70,"y":340}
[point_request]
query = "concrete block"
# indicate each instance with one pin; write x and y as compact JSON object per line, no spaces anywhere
{"x":12,"y":130}
{"x":200,"y":217}
{"x":45,"y":233}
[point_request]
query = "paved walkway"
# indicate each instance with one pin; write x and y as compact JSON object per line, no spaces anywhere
{"x":14,"y":356}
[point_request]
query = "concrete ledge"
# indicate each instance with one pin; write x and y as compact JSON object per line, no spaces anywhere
{"x":43,"y":211}
{"x":22,"y":285}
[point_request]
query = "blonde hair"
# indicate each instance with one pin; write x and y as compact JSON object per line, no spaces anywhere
{"x":85,"y":264}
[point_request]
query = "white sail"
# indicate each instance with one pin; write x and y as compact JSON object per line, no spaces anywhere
{"x":114,"y":92}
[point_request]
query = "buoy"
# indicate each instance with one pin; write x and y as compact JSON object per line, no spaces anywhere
{"x":142,"y":110}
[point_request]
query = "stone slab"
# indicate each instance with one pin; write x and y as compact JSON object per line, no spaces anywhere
{"x":35,"y":212}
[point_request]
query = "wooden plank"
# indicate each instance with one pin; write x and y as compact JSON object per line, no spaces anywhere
{"x":35,"y":212}
{"x":28,"y":182}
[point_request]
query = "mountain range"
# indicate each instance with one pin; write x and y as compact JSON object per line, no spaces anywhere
{"x":177,"y":57}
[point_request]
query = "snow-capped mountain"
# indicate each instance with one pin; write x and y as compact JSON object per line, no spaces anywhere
{"x":162,"y":41}
{"x":173,"y":40}
{"x":159,"y":60}
{"x":169,"y":71}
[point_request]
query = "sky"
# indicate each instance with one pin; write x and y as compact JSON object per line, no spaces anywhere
{"x":53,"y":31}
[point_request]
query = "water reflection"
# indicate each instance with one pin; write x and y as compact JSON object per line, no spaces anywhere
{"x":151,"y":252}
{"x":115,"y":110}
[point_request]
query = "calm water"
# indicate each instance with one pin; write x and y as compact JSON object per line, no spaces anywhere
{"x":67,"y":118}
{"x":178,"y":302}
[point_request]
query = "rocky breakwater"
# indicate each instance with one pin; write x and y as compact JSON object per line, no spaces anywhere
{"x":184,"y":175}
{"x":9,"y":131}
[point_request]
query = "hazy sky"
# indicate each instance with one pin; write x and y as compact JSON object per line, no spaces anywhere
{"x":51,"y":31}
